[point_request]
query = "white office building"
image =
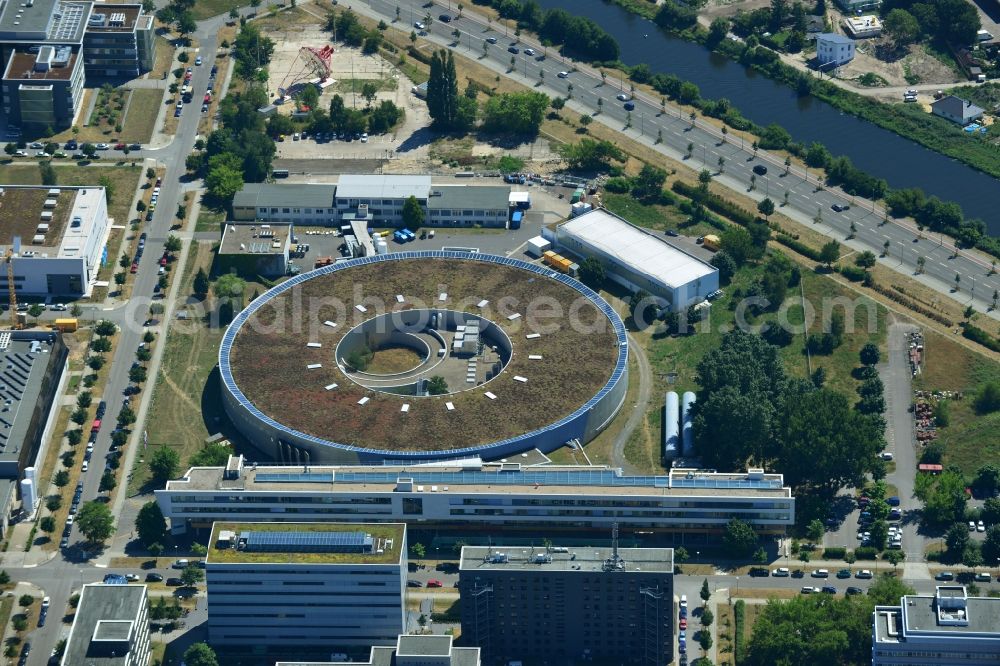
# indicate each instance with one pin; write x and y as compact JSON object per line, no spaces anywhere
{"x":378,"y":198}
{"x":110,"y":627}
{"x":947,"y":628}
{"x":58,"y":235}
{"x":295,"y":587}
{"x":637,"y":259}
{"x":500,"y":494}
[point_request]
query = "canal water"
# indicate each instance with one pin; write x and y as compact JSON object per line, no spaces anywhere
{"x":902,"y":163}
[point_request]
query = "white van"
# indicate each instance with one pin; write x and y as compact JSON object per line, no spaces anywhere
{"x":180,"y":564}
{"x":684,"y":601}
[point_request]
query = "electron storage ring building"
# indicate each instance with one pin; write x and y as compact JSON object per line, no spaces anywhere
{"x":420,"y":356}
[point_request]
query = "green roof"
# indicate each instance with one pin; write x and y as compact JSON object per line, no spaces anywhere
{"x":388,"y":538}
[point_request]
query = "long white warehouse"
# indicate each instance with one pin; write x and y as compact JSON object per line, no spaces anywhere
{"x":638,"y":259}
{"x":496,"y":494}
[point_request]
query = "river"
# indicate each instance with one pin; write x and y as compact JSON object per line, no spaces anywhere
{"x":902,"y":163}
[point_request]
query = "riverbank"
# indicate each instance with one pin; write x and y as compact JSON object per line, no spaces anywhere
{"x":908,"y":121}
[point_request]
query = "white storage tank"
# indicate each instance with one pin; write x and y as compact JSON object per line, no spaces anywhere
{"x":671,"y":426}
{"x":687,"y":431}
{"x":382,"y":247}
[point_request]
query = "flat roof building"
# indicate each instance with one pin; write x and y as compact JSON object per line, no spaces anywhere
{"x":255,"y":249}
{"x":63,"y":234}
{"x":947,"y":628}
{"x":862,"y":27}
{"x":44,"y":88}
{"x":301,"y":587}
{"x":110,"y":627}
{"x":573,"y":604}
{"x":638,"y":259}
{"x":689,"y":504}
{"x":119,"y":41}
{"x":379,"y":197}
{"x":415,"y":650}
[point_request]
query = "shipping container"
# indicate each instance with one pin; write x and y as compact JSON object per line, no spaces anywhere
{"x":515,"y":219}
{"x":65,"y":325}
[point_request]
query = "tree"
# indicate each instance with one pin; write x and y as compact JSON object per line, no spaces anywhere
{"x":727,"y":267}
{"x":815,"y":530}
{"x":649,"y":183}
{"x":47,"y":173}
{"x":36,"y":310}
{"x":870,"y":354}
{"x":61,"y":478}
{"x":766,"y":207}
{"x":515,"y":113}
{"x":987,"y":481}
{"x":811,"y":629}
{"x":879,"y":534}
{"x":4,"y":577}
{"x":739,"y":537}
{"x":901,"y":26}
{"x":991,"y":544}
{"x":705,"y":640}
{"x":137,"y":374}
{"x":150,"y":524}
{"x":201,"y":284}
{"x":705,"y":593}
{"x":200,"y":654}
{"x":829,"y":253}
{"x":442,"y":90}
{"x":419,"y":550}
{"x":943,"y":496}
{"x":592,"y":273}
{"x":105,"y":328}
{"x":95,"y":521}
{"x":108,"y":482}
{"x":956,"y":539}
{"x":47,"y":524}
{"x":887,"y":590}
{"x":591,"y":155}
{"x":164,"y":464}
{"x":437,"y":385}
{"x":988,"y":398}
{"x":25,"y":600}
{"x":413,"y":213}
{"x":192,"y":575}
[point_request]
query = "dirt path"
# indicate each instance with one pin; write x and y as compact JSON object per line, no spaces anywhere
{"x":638,"y":415}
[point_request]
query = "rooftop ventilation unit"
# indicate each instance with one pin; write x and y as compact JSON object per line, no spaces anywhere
{"x":96,"y":20}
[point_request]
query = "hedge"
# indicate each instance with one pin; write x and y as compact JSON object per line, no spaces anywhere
{"x":798,"y":246}
{"x":715,"y":203}
{"x":866,"y":553}
{"x":977,"y":334}
{"x":739,"y":622}
{"x":836,"y":553}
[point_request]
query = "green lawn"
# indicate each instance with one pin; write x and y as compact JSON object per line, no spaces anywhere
{"x":209,"y":219}
{"x":656,"y":217}
{"x":970,"y":439}
{"x":204,"y":9}
{"x":142,"y":109}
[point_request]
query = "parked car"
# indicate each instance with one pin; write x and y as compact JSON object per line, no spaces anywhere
{"x":945,"y":575}
{"x":809,"y":589}
{"x":621,"y":97}
{"x":491,"y":40}
{"x":420,"y":26}
{"x":197,"y":61}
{"x":980,"y":526}
{"x":174,"y":582}
{"x":821,"y":573}
{"x":844,"y":573}
{"x":529,"y":52}
{"x":513,"y":49}
{"x":102,"y":146}
{"x":563,"y":75}
{"x":854,"y":590}
{"x":982,"y":577}
{"x":154,"y":578}
{"x":864,"y":573}
{"x":434,"y":582}
{"x":829,"y":589}
{"x":781,"y":572}
{"x":133,"y":578}
{"x":414,"y":583}
{"x":180,"y":564}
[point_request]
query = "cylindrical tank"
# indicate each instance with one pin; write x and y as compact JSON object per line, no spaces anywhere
{"x":687,"y":432}
{"x":28,"y":496}
{"x":671,"y":426}
{"x":382,"y":247}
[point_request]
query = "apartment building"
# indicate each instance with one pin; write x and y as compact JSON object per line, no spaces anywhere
{"x":570,"y":605}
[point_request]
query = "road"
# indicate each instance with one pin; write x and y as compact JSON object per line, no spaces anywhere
{"x":805,"y":200}
{"x":59,"y":577}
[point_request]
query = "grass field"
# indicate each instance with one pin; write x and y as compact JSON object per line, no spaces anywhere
{"x":204,"y":9}
{"x":141,"y":117}
{"x":390,"y":360}
{"x":186,"y":406}
{"x":656,"y":217}
{"x":209,"y":219}
{"x":970,"y":439}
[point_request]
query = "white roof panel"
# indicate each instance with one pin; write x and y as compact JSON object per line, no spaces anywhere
{"x":640,"y":250}
{"x":383,"y":187}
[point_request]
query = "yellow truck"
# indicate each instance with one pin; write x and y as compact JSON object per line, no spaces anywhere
{"x":711,"y":242}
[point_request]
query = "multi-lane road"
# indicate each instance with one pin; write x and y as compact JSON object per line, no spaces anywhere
{"x":806,"y":201}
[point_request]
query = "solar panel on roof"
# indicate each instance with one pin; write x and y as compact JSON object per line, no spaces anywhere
{"x":306,"y":542}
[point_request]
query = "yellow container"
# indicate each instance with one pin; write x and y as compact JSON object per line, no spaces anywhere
{"x":65,"y":325}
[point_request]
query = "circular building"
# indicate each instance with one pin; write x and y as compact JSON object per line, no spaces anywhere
{"x":418,"y":356}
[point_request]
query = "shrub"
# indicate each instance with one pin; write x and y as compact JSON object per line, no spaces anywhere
{"x":836,"y":553}
{"x":853,"y":273}
{"x":865,"y":553}
{"x":618,"y":185}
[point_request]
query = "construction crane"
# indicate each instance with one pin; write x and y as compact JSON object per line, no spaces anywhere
{"x":15,"y":325}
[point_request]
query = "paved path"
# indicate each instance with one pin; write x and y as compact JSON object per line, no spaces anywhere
{"x":638,"y":415}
